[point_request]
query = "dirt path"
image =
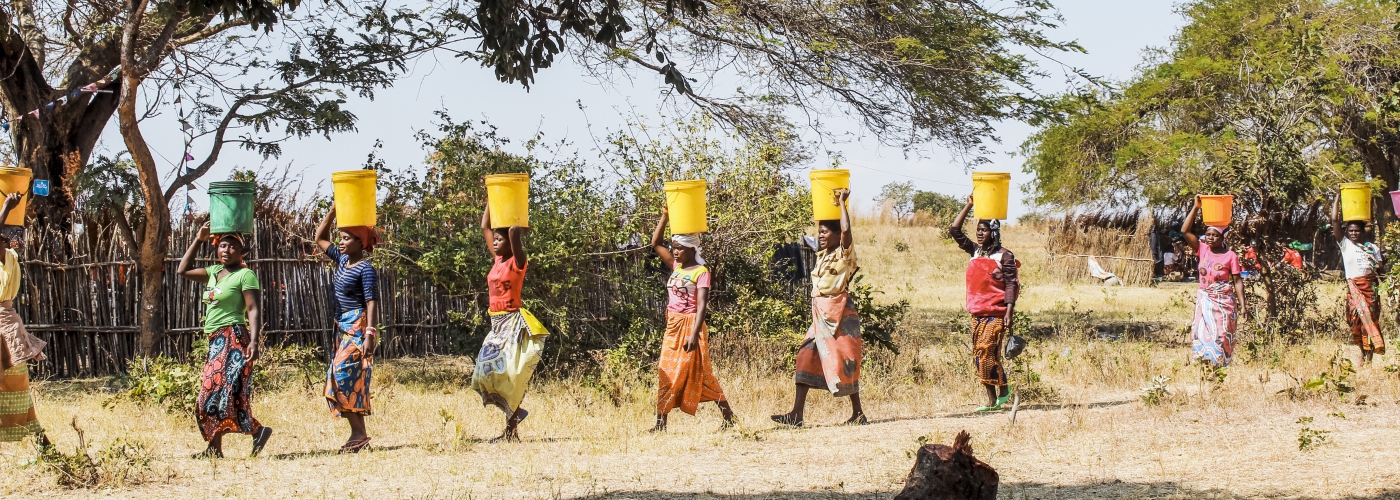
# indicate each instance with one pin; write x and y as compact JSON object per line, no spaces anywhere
{"x":1115,"y":448}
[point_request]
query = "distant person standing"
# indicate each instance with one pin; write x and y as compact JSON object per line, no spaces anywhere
{"x":18,"y":419}
{"x":1220,"y":298}
{"x":993,"y":285}
{"x":1292,"y":256}
{"x":1360,"y":261}
{"x":356,"y":290}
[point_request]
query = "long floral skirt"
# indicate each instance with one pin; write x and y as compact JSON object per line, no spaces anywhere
{"x":347,"y":379}
{"x":1213,"y":327}
{"x":225,"y":402}
{"x":508,"y":358}
{"x":830,"y":355}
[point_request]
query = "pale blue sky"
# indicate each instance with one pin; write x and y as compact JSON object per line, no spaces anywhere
{"x":1114,"y":32}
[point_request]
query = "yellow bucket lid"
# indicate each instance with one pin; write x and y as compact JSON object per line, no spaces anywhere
{"x":990,"y":176}
{"x":347,"y":175}
{"x":682,"y":185}
{"x":506,"y":178}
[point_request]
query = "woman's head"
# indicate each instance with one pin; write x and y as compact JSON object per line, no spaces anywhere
{"x":500,"y":242}
{"x":1215,"y":236}
{"x":350,"y":244}
{"x":229,"y":249}
{"x":355,"y":239}
{"x":829,"y":234}
{"x":1355,"y":230}
{"x":989,"y":233}
{"x":685,"y":249}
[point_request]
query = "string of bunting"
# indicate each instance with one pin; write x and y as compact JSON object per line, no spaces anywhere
{"x":72,"y":95}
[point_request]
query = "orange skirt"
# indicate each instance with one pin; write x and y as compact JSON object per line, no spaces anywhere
{"x":686,"y":378}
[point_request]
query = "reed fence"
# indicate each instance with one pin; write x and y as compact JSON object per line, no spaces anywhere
{"x":1120,"y":243}
{"x":80,"y":293}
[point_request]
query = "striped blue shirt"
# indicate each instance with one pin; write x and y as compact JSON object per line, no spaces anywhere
{"x":354,"y":285}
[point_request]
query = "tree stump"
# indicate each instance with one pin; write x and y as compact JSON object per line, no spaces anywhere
{"x":950,"y":473}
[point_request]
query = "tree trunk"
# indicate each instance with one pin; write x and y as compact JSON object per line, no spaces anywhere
{"x":155,"y":241}
{"x":56,"y":142}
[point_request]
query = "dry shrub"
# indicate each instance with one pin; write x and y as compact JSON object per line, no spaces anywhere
{"x":122,"y":462}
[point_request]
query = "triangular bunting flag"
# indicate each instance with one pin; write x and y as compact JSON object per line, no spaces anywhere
{"x":91,"y":87}
{"x":5,"y":125}
{"x":186,"y":126}
{"x":62,"y":100}
{"x":35,"y":113}
{"x":74,"y":93}
{"x":188,"y":156}
{"x":177,"y":99}
{"x":48,"y":107}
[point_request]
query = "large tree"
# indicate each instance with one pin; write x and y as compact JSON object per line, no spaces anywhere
{"x":1272,"y":101}
{"x":911,"y":71}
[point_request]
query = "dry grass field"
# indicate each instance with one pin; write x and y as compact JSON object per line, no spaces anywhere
{"x":1087,"y":434}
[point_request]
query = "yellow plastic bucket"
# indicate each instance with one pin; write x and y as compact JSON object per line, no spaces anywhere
{"x":355,"y":203}
{"x":508,"y":195}
{"x":990,"y":194}
{"x":1356,"y":201}
{"x":1216,"y":209}
{"x":825,"y":182}
{"x":686,"y":200}
{"x":16,"y":180}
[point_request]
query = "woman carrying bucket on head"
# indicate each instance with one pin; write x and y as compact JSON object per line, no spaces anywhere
{"x":1361,"y":260}
{"x":831,"y":354}
{"x":512,"y":350}
{"x":1220,"y":297}
{"x":355,"y":285}
{"x":993,"y":285}
{"x":685,"y":376}
{"x":231,"y":320}
{"x":18,"y":419}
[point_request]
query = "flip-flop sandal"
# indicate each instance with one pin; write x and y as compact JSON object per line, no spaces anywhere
{"x":858,"y":420}
{"x":784,"y":419}
{"x":523,"y":414}
{"x":355,"y":446}
{"x":260,"y":440}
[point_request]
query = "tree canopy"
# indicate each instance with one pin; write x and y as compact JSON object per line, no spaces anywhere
{"x":1273,"y":101}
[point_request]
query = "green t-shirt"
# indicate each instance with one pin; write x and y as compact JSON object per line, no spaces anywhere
{"x":224,"y":297}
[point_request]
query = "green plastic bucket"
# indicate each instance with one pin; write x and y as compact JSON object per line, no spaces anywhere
{"x":231,"y":207}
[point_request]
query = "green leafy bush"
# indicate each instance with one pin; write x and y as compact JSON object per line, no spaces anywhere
{"x":159,"y":381}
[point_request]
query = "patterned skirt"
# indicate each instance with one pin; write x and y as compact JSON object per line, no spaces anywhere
{"x":347,"y":379}
{"x":1213,"y":327}
{"x":225,"y":402}
{"x":508,"y":358}
{"x":686,"y":379}
{"x":17,"y":417}
{"x":1364,"y":314}
{"x":987,"y":334}
{"x":830,"y":356}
